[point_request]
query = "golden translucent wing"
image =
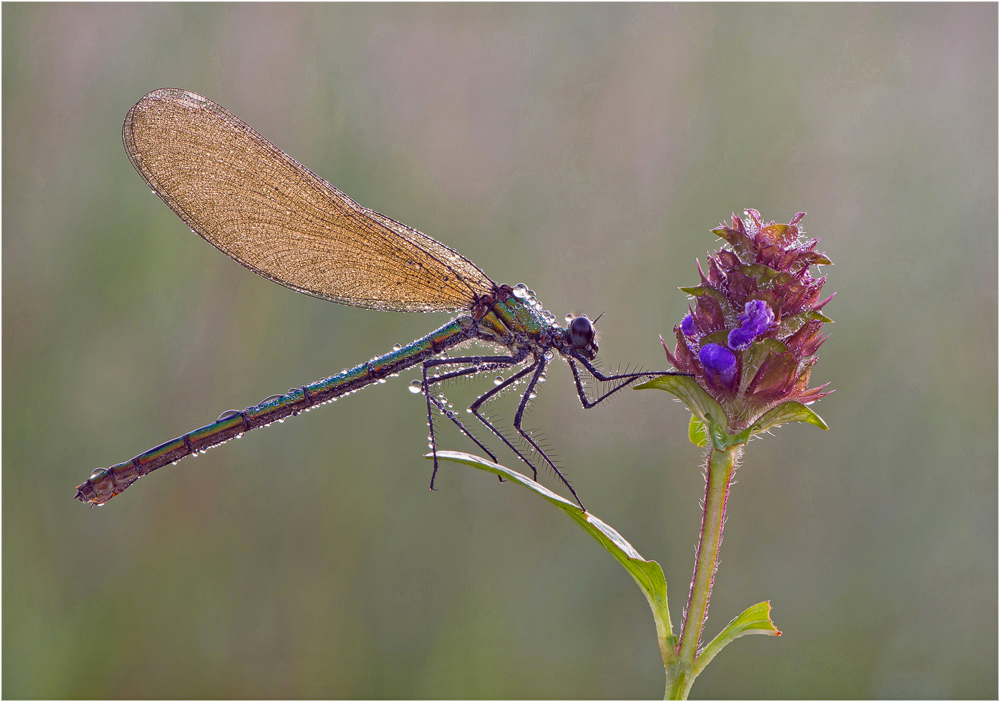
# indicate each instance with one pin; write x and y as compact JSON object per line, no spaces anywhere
{"x":266,"y":211}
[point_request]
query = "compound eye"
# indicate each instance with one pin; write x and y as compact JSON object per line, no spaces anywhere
{"x":581,"y":332}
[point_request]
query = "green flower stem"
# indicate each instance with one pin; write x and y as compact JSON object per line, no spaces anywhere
{"x":721,"y":463}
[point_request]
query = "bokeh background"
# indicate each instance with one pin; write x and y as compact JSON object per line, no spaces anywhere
{"x":585,"y":150}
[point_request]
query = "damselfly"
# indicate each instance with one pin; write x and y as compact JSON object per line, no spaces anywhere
{"x":268,"y":212}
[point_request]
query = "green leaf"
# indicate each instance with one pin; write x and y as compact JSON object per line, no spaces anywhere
{"x":697,"y":433}
{"x":647,"y":574}
{"x":725,"y":233}
{"x":701,"y":291}
{"x":763,"y":274}
{"x":785,"y":413}
{"x":741,"y":245}
{"x":791,"y":324}
{"x":703,"y":408}
{"x":753,"y":620}
{"x":755,"y":356}
{"x":687,"y":390}
{"x":815,"y":259}
{"x":820,"y":317}
{"x":775,"y":234}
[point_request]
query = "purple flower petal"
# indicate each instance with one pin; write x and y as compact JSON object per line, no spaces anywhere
{"x":755,"y":320}
{"x":719,"y":363}
{"x":687,"y":326}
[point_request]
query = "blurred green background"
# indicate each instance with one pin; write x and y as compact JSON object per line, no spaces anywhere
{"x":585,"y":150}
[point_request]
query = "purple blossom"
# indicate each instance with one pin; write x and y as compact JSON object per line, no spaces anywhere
{"x":719,"y":363}
{"x":687,"y":326}
{"x":755,"y":320}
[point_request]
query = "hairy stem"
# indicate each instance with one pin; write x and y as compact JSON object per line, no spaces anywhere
{"x":719,"y":473}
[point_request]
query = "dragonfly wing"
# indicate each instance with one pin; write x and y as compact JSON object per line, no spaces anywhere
{"x":266,"y":211}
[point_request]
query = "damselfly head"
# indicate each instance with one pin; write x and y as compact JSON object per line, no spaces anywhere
{"x":582,"y":335}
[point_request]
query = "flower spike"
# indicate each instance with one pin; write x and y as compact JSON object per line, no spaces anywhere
{"x":754,"y":327}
